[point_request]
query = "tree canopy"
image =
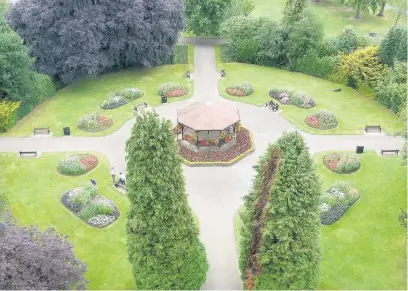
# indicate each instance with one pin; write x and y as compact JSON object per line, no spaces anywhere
{"x":163,"y":242}
{"x":293,"y":10}
{"x":70,"y":39}
{"x":279,"y":247}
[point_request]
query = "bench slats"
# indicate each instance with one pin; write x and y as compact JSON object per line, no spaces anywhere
{"x":28,"y":153}
{"x":389,"y":151}
{"x":41,"y":129}
{"x":373,"y":127}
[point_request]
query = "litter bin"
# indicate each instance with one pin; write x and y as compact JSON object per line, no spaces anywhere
{"x":359,"y":149}
{"x":67,"y":131}
{"x":164,"y":99}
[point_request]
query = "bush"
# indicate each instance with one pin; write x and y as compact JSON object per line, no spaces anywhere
{"x":314,"y":65}
{"x":244,"y":89}
{"x":394,"y":46}
{"x":92,"y":122}
{"x":118,"y":99}
{"x":302,"y":100}
{"x":335,"y":202}
{"x":180,"y":54}
{"x":347,"y":40}
{"x":282,"y":95}
{"x":342,"y":163}
{"x":322,"y":120}
{"x":8,"y":114}
{"x":172,"y":90}
{"x":77,"y":165}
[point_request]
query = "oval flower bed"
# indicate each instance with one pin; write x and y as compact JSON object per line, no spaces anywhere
{"x":89,"y":206}
{"x":77,"y":164}
{"x":215,"y":157}
{"x":322,"y":120}
{"x":118,"y":99}
{"x":342,"y":163}
{"x":282,"y":95}
{"x":93,"y":122}
{"x":302,"y":100}
{"x":172,"y":90}
{"x":335,"y":202}
{"x":245,"y":89}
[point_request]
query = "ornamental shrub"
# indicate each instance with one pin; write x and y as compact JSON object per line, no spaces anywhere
{"x":302,"y":100}
{"x":314,"y":65}
{"x":342,"y":163}
{"x":77,"y":164}
{"x":8,"y":114}
{"x":162,"y":237}
{"x":335,"y":202}
{"x":322,"y":120}
{"x":279,"y":246}
{"x":92,"y":122}
{"x":347,"y":40}
{"x":282,"y":95}
{"x":244,"y":89}
{"x":172,"y":90}
{"x":113,"y":102}
{"x":394,"y":46}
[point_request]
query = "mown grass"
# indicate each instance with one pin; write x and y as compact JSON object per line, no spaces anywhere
{"x":367,"y":248}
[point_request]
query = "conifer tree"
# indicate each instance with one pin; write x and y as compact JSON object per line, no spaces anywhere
{"x":163,"y":243}
{"x":293,"y":10}
{"x":280,"y":235}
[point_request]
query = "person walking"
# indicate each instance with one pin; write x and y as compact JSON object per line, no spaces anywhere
{"x":122,"y":179}
{"x":112,"y":172}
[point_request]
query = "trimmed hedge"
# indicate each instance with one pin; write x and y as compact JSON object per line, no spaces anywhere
{"x":342,"y":163}
{"x":335,"y":202}
{"x":245,"y":89}
{"x":8,"y":114}
{"x":322,"y":120}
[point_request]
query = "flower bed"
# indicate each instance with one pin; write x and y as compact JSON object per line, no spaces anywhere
{"x":172,"y":90}
{"x":118,"y":99}
{"x":245,"y":89}
{"x":342,"y":163}
{"x":243,"y":146}
{"x":91,"y":207}
{"x":322,"y":120}
{"x":283,"y":96}
{"x":93,"y":122}
{"x":77,"y":165}
{"x":335,"y":202}
{"x":302,"y":100}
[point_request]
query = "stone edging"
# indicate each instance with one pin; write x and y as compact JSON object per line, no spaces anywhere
{"x":224,"y":164}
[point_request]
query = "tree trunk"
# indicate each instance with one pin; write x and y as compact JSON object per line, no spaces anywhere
{"x":358,"y":12}
{"x":381,"y":14}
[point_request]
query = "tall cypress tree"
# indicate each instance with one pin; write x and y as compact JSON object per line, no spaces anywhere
{"x":163,"y":242}
{"x":293,"y":10}
{"x":280,"y":235}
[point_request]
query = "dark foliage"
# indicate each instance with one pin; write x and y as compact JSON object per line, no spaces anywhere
{"x":334,"y":214}
{"x":71,"y":38}
{"x":394,"y":46}
{"x":35,"y":260}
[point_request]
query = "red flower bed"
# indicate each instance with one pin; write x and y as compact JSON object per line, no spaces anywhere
{"x":235,"y":92}
{"x":104,"y":121}
{"x":176,"y":93}
{"x":227,"y":139}
{"x":313,"y":121}
{"x":243,"y":144}
{"x":89,"y":162}
{"x":203,"y":143}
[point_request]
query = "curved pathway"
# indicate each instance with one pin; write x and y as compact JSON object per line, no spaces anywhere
{"x":215,"y":192}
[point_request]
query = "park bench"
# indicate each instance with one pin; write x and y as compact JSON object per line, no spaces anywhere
{"x":389,"y":151}
{"x":373,"y":128}
{"x":119,"y":185}
{"x":222,"y":73}
{"x":188,"y":75}
{"x":41,"y":130}
{"x":22,"y":153}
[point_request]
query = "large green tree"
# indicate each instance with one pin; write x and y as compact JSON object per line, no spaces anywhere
{"x":204,"y":17}
{"x":163,"y":242}
{"x":394,"y":46}
{"x":361,"y":5}
{"x":279,"y":247}
{"x":293,"y":10}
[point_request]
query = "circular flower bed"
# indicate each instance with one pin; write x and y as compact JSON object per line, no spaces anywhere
{"x":283,"y":96}
{"x":77,"y":165}
{"x":244,"y":89}
{"x":91,"y":207}
{"x":335,"y":202}
{"x":342,"y":163}
{"x":93,"y":122}
{"x":242,"y":147}
{"x":322,"y":120}
{"x":118,"y":99}
{"x":302,"y":100}
{"x":172,"y":90}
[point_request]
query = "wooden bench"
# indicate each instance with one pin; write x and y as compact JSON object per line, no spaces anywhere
{"x":222,"y":73}
{"x":188,"y":75}
{"x":373,"y":128}
{"x":21,"y":153}
{"x":41,"y":130}
{"x":389,"y":151}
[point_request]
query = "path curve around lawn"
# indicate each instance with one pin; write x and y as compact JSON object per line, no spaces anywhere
{"x":214,"y":192}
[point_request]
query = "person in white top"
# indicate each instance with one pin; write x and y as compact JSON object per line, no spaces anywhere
{"x":122,"y":179}
{"x":112,"y":171}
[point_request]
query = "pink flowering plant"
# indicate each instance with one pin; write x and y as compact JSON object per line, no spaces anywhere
{"x":172,"y":90}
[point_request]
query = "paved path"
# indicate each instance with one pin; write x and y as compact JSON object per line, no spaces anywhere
{"x":214,"y":193}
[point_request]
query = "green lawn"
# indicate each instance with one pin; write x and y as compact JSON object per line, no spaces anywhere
{"x":366,"y":248}
{"x":84,"y":96}
{"x":352,"y":109}
{"x":34,"y":189}
{"x":334,"y":17}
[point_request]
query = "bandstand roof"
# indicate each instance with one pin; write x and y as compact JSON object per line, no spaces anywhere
{"x":208,"y":116}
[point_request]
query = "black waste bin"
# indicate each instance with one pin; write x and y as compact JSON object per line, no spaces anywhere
{"x":67,"y":131}
{"x":164,"y":99}
{"x":359,"y":149}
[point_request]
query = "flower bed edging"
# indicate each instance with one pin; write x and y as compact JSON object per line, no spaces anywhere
{"x":225,"y":164}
